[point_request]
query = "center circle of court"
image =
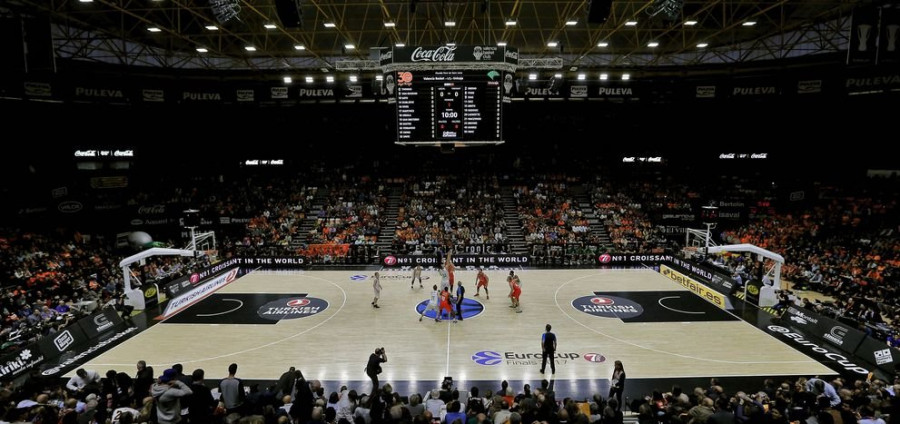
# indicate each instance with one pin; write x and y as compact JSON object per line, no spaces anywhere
{"x":470,"y":308}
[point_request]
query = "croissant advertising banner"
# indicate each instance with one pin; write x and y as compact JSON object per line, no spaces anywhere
{"x":461,"y":260}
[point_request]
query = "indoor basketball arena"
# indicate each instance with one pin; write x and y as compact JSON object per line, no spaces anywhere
{"x":449,"y":212}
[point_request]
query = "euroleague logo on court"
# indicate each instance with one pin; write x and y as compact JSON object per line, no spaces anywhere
{"x":390,"y":260}
{"x":292,"y":308}
{"x":492,"y":357}
{"x":608,"y":306}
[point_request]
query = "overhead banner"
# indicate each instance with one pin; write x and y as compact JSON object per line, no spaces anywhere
{"x":863,"y":34}
{"x":450,"y":54}
{"x":99,"y":94}
{"x":889,"y":40}
{"x":461,"y":260}
{"x":603,"y":91}
{"x":754,"y":89}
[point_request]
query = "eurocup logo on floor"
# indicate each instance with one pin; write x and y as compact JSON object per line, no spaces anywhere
{"x":359,"y":277}
{"x":292,"y":308}
{"x":487,"y":357}
{"x":492,"y":357}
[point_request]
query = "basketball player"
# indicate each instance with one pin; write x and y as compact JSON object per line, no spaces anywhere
{"x":377,"y":286}
{"x":417,"y":273}
{"x":510,"y":279}
{"x":481,"y":280}
{"x":516,"y":292}
{"x":450,"y":269}
{"x":432,"y":304}
{"x":445,"y":279}
{"x":445,"y":305}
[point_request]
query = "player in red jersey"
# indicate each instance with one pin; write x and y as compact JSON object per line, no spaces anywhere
{"x":481,"y":280}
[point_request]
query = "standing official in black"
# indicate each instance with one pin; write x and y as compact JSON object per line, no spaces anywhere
{"x":548,"y":350}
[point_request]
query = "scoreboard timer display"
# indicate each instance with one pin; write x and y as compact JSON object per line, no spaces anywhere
{"x":452,"y":106}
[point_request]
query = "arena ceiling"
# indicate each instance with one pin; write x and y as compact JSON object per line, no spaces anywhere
{"x":189,"y":34}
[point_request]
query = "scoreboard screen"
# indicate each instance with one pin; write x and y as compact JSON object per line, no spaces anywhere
{"x":449,"y":106}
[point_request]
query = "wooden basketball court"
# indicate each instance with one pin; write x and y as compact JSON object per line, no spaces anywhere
{"x":323,"y":323}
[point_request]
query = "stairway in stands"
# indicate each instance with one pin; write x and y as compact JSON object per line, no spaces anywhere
{"x":315,"y":206}
{"x":514,"y":232}
{"x":582,"y":197}
{"x":386,"y":236}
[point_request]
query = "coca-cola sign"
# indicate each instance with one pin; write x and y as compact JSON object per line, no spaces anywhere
{"x":440,"y":54}
{"x":152,"y":210}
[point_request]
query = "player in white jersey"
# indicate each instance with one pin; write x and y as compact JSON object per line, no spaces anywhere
{"x":445,"y":279}
{"x":433,"y":304}
{"x":417,"y":273}
{"x":376,"y":286}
